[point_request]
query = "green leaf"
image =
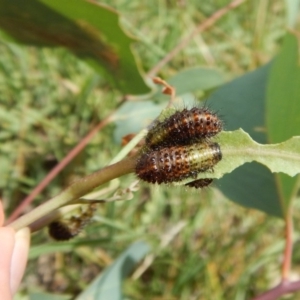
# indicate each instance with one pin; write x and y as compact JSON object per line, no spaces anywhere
{"x":109,"y":284}
{"x":283,"y":107}
{"x":44,"y":296}
{"x":241,"y":103}
{"x":238,"y":148}
{"x":191,"y":80}
{"x":87,"y":29}
{"x":252,"y":186}
{"x":283,"y":93}
{"x":132,"y":117}
{"x":196,"y":79}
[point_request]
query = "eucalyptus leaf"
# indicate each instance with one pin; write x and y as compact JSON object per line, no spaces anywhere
{"x":132,"y":117}
{"x":195,"y":79}
{"x":283,"y":106}
{"x":241,"y":104}
{"x":239,"y":148}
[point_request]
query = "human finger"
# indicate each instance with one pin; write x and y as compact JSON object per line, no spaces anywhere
{"x":7,"y":238}
{"x":19,"y":258}
{"x":2,"y":217}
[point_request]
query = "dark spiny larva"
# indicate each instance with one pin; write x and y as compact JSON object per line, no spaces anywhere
{"x":60,"y":231}
{"x":178,"y":162}
{"x":65,"y":229}
{"x":200,"y":183}
{"x":184,"y":127}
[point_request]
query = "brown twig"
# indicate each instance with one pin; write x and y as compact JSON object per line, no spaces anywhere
{"x":61,"y":165}
{"x":167,"y":89}
{"x":201,"y":27}
{"x":284,"y":287}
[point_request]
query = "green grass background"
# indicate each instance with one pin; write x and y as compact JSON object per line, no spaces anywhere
{"x":49,"y":100}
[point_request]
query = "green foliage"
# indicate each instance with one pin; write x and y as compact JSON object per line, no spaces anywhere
{"x":109,"y":284}
{"x":283,"y":99}
{"x":132,"y":117}
{"x":292,"y":7}
{"x":87,"y":29}
{"x":49,"y":100}
{"x":37,"y":296}
{"x":196,"y":79}
{"x":238,"y":148}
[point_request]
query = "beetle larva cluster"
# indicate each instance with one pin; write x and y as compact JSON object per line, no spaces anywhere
{"x":179,"y":147}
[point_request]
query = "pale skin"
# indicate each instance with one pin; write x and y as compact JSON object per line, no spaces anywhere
{"x":13,"y":257}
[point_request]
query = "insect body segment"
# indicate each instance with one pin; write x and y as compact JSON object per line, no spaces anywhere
{"x":176,"y":163}
{"x":184,"y":127}
{"x":67,"y":228}
{"x":179,"y":147}
{"x":200,"y":183}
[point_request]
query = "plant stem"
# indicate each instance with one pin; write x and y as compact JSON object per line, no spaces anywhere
{"x":76,"y":190}
{"x":61,"y":165}
{"x":284,"y":287}
{"x":286,"y":266}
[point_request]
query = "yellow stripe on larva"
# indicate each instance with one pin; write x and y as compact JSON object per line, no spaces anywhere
{"x":176,"y":163}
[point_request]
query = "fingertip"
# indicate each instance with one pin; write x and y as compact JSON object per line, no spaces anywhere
{"x":2,"y":217}
{"x":7,"y":236}
{"x":19,"y":258}
{"x":23,"y":234}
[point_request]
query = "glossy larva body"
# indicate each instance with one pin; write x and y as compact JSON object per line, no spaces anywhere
{"x":184,"y":127}
{"x":173,"y":164}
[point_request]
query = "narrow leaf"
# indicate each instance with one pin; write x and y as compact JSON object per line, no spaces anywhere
{"x":63,"y":247}
{"x":283,"y":107}
{"x":292,"y":9}
{"x":109,"y":284}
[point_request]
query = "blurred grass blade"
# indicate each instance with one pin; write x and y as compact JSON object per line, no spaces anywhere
{"x":87,"y":29}
{"x":292,"y":8}
{"x":44,"y":296}
{"x":67,"y":246}
{"x":109,"y":284}
{"x":283,"y":107}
